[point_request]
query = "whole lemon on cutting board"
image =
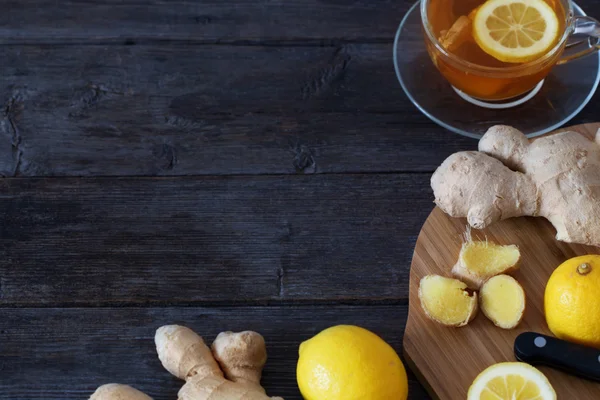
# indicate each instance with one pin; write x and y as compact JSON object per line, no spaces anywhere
{"x":350,"y":363}
{"x":572,"y":300}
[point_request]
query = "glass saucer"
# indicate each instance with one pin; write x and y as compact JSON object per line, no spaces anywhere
{"x":563,"y":94}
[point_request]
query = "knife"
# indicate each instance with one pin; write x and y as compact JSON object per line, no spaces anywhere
{"x":537,"y":349}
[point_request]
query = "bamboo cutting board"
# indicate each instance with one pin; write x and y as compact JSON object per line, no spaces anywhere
{"x":447,"y":360}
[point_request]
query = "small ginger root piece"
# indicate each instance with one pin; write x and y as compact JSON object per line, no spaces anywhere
{"x":502,"y":300}
{"x":447,"y":300}
{"x":556,"y":177}
{"x":115,"y":391}
{"x":230,"y":371}
{"x":458,"y":33}
{"x":478,"y":261}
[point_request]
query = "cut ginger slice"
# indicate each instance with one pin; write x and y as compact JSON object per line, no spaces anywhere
{"x":478,"y":261}
{"x":502,"y":300}
{"x":447,"y":301}
{"x":459,"y":33}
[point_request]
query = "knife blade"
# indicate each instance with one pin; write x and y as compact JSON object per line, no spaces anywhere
{"x":575,"y":359}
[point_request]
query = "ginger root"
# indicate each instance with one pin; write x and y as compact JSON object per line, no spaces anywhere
{"x":447,"y":301}
{"x":114,"y":391}
{"x":478,"y":261}
{"x":556,"y":177}
{"x":458,"y":33}
{"x":502,"y":300}
{"x":230,"y":371}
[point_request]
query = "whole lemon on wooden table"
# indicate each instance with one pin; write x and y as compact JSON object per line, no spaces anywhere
{"x":350,"y":363}
{"x":572,"y":300}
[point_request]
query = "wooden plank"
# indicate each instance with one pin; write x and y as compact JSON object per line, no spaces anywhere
{"x":66,"y":353}
{"x":191,"y":240}
{"x":177,"y":110}
{"x":240,"y":21}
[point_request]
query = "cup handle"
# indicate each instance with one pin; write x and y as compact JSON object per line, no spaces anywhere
{"x":585,"y":33}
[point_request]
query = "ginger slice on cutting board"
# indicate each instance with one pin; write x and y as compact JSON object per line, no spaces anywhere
{"x":478,"y":261}
{"x":447,"y":301}
{"x":502,"y":300}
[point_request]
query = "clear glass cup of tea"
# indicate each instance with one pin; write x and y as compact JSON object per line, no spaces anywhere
{"x":463,"y":55}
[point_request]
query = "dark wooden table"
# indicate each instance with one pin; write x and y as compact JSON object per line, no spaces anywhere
{"x":226,"y":165}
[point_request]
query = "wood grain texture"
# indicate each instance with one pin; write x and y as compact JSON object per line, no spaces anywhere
{"x":190,"y":240}
{"x":448,"y":359}
{"x":239,"y":21}
{"x":216,"y":110}
{"x":66,"y":353}
{"x":118,"y":88}
{"x":173,"y":110}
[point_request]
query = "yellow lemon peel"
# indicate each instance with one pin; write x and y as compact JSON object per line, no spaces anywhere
{"x":516,"y":31}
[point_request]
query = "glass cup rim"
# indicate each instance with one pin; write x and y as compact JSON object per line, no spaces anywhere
{"x":504,"y":70}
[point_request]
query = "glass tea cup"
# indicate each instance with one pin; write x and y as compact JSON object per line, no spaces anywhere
{"x":579,"y":36}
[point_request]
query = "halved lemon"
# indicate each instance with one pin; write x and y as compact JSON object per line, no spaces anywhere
{"x":515,"y":31}
{"x":511,"y":381}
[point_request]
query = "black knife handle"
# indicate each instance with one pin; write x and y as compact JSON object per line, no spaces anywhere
{"x":537,"y":349}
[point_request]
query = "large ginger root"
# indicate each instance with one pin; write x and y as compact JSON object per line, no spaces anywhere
{"x":114,"y":391}
{"x":556,"y":177}
{"x":231,"y":371}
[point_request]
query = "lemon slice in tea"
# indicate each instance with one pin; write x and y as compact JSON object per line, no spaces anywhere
{"x":516,"y":31}
{"x":511,"y":381}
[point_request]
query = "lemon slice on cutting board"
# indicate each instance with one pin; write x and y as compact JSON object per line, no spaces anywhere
{"x":515,"y":31}
{"x":511,"y":381}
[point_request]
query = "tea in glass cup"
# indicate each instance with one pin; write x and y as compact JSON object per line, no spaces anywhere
{"x":495,"y":50}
